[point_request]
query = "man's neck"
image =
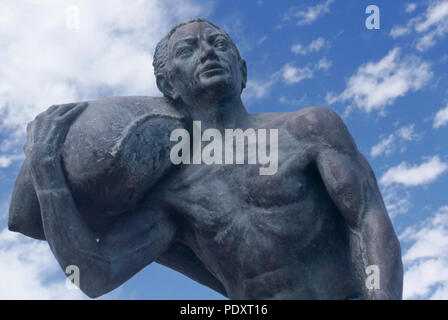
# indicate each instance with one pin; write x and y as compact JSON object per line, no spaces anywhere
{"x":228,"y":114}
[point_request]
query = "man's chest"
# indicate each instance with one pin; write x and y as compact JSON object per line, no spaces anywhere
{"x":214,"y":196}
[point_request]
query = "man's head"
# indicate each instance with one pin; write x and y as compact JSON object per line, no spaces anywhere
{"x":198,"y":58}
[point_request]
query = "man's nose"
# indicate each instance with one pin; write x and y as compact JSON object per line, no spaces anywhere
{"x":207,"y":52}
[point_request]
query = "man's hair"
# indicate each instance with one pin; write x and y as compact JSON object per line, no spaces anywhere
{"x":160,"y":60}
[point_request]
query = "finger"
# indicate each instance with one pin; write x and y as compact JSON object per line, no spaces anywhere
{"x":51,"y":109}
{"x":63,"y":108}
{"x":72,"y":113}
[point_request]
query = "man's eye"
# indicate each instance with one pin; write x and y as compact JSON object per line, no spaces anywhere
{"x":220,"y":43}
{"x":183,"y":52}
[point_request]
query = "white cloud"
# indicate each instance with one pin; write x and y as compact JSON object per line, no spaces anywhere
{"x":44,"y":62}
{"x":324,"y":64}
{"x":414,"y":175}
{"x":441,"y":118}
{"x":6,"y":160}
{"x":289,"y":74}
{"x":299,"y":49}
{"x":384,"y":146}
{"x":317,"y":44}
{"x":426,"y":261}
{"x":262,"y":39}
{"x":398,"y":31}
{"x":437,"y":12}
{"x":314,"y":46}
{"x":310,"y":14}
{"x":421,"y":278}
{"x":397,"y":200}
{"x":387,"y":145}
{"x":256,"y":89}
{"x":407,"y":133}
{"x":430,"y":25}
{"x":410,"y":7}
{"x":26,"y":267}
{"x":376,"y":85}
{"x":292,"y":74}
{"x":4,"y":209}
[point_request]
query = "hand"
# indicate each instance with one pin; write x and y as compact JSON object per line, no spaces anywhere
{"x":46,"y":134}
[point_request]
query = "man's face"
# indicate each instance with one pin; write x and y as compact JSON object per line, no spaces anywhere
{"x":203,"y":63}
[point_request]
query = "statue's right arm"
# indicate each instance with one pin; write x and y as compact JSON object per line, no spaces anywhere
{"x":133,"y":242}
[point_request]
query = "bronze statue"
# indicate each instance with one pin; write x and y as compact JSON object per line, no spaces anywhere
{"x":99,"y":185}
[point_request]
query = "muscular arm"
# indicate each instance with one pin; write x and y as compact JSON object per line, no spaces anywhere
{"x":352,"y":186}
{"x":136,"y":240}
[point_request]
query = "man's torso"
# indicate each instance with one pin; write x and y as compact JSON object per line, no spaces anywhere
{"x":264,"y":236}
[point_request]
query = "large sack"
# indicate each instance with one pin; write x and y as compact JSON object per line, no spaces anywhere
{"x":114,"y":152}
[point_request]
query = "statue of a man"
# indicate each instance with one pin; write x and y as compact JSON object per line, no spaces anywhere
{"x":316,"y":228}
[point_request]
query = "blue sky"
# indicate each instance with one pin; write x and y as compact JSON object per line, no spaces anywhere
{"x":388,"y":84}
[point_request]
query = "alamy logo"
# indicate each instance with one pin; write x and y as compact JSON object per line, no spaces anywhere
{"x":373,"y":277}
{"x":73,"y":277}
{"x":234,"y":147}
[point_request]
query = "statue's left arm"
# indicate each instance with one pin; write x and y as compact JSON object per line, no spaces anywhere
{"x":352,"y":186}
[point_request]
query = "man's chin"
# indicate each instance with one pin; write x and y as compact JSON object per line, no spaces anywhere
{"x":218,"y":83}
{"x":217,"y":88}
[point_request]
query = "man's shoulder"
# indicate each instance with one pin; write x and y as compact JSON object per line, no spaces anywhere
{"x":313,"y":121}
{"x":305,"y":121}
{"x":320,"y":126}
{"x":315,"y":115}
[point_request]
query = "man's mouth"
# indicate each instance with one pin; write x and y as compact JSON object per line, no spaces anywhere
{"x":211,"y":69}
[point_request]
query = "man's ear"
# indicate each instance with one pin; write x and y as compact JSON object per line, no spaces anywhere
{"x":243,"y":69}
{"x":166,"y":88}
